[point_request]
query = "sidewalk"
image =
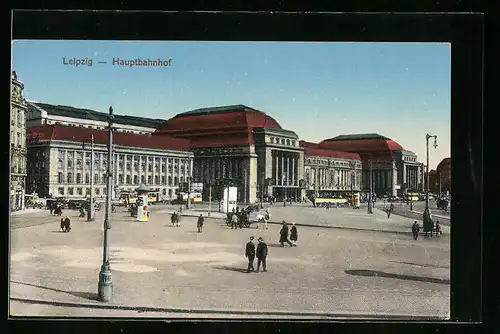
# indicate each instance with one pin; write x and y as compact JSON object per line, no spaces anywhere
{"x":341,"y":218}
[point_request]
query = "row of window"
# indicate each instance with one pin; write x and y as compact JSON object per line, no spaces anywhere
{"x":70,"y":191}
{"x":329,"y":162}
{"x":170,"y":180}
{"x":132,"y":161}
{"x":282,"y":141}
{"x":97,"y":127}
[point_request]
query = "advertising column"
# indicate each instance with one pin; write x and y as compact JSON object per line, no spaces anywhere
{"x":142,"y":208}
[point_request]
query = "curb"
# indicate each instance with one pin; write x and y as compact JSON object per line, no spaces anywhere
{"x":360,"y":316}
{"x":328,"y":226}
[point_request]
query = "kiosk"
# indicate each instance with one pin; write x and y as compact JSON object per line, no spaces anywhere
{"x":142,"y":203}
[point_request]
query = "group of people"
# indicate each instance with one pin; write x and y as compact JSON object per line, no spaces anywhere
{"x":55,"y":209}
{"x":65,"y":224}
{"x":260,"y":252}
{"x":284,"y":233}
{"x":415,"y":229}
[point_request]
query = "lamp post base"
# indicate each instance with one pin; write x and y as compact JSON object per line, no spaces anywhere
{"x":370,"y":208}
{"x":105,"y":287}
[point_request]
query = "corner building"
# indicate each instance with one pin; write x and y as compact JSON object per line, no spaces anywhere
{"x":17,"y":144}
{"x":240,"y":143}
{"x":59,"y":165}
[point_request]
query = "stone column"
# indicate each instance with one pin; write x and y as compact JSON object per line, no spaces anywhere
{"x":404,"y":173}
{"x":282,"y":169}
{"x":276,"y":159}
{"x":115,"y":174}
{"x":74,"y":167}
{"x":153,"y":161}
{"x":294,"y":176}
{"x":139,"y":171}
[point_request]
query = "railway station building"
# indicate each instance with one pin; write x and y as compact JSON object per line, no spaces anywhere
{"x":241,"y":144}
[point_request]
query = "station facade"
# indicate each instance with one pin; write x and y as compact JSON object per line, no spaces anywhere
{"x":236,"y":144}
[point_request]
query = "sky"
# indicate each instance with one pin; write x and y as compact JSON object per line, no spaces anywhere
{"x":318,"y":90}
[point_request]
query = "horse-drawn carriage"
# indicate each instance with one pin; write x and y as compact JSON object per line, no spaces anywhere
{"x":243,"y":220}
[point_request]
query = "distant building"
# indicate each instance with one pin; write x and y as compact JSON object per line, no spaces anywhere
{"x":433,"y":181}
{"x":59,"y":166}
{"x":333,"y":172}
{"x":43,"y":113}
{"x":443,"y":172}
{"x":17,"y":144}
{"x":242,"y":144}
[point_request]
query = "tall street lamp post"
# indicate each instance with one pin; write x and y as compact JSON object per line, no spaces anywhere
{"x":105,"y":287}
{"x":427,"y":214}
{"x":370,"y":199}
{"x":90,"y":211}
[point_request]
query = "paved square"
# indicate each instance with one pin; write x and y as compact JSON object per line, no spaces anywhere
{"x":175,"y":270}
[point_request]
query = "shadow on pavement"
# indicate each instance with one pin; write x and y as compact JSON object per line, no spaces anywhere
{"x":422,"y":265}
{"x":86,"y":295}
{"x":239,"y":270}
{"x":376,"y":273}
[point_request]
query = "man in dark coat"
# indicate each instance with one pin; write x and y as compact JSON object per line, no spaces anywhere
{"x":201,"y":220}
{"x":284,"y":235}
{"x":293,"y":234}
{"x":415,"y":229}
{"x":261,"y":254}
{"x":250,"y":254}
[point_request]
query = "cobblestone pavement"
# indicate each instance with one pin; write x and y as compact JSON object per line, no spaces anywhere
{"x":159,"y":266}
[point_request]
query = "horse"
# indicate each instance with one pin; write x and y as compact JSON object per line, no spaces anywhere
{"x":65,"y":224}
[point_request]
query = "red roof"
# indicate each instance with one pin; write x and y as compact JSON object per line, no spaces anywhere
{"x":215,"y":129}
{"x":444,"y":164}
{"x":80,"y":134}
{"x":312,"y":149}
{"x":379,"y":149}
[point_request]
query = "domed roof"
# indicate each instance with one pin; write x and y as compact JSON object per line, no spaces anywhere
{"x":444,"y":164}
{"x":227,"y":125}
{"x":363,"y":144}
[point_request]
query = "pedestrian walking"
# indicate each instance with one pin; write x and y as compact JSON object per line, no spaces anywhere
{"x":200,"y":222}
{"x":284,"y":235}
{"x":234,"y":221}
{"x":438,"y":228}
{"x":261,"y":254}
{"x":294,"y":234}
{"x":415,"y":229}
{"x":250,"y":254}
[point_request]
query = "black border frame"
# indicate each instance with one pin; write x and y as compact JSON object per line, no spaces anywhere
{"x":464,"y":31}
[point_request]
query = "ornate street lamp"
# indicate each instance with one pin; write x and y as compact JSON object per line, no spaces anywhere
{"x":426,"y":217}
{"x":105,"y":287}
